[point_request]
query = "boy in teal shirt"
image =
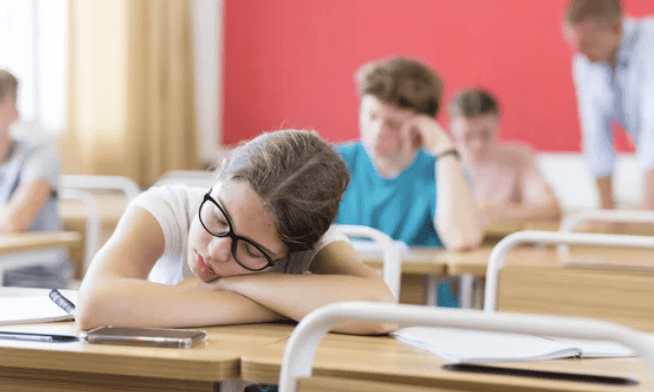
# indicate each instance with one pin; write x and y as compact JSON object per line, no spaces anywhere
{"x":407,"y":178}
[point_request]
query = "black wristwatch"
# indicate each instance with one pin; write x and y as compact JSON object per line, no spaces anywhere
{"x":452,"y":151}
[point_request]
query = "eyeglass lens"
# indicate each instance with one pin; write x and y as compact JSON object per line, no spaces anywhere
{"x":216,"y":223}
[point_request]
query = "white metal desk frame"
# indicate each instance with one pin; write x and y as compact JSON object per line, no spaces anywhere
{"x":466,"y":289}
{"x":92,"y":229}
{"x":74,"y":186}
{"x":303,"y":342}
{"x":101,"y":182}
{"x":392,"y":268}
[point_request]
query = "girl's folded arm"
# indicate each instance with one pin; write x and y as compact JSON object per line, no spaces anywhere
{"x":337,"y":275}
{"x":115,"y":290}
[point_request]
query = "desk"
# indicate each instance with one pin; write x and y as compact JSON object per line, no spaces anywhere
{"x":599,"y":282}
{"x":10,"y":243}
{"x":420,"y":266}
{"x":257,"y":350}
{"x":499,"y":230}
{"x":28,"y":366}
{"x":32,"y":248}
{"x":384,"y":359}
{"x":73,"y":214}
{"x":84,"y":367}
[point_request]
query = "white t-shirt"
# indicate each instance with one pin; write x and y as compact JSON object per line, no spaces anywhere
{"x":175,"y":207}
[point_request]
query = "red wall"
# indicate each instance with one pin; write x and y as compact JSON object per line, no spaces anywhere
{"x":290,"y":63}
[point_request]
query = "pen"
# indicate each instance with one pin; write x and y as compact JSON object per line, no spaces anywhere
{"x":37,"y":337}
{"x":62,"y":301}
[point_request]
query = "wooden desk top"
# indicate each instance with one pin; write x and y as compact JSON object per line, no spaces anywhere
{"x":502,"y":229}
{"x":385,"y":359}
{"x":435,"y":261}
{"x":415,"y":260}
{"x":590,"y":259}
{"x":34,"y":241}
{"x":215,"y":359}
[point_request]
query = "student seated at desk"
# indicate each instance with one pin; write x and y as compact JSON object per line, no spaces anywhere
{"x":508,"y":185}
{"x":407,"y":178}
{"x":257,"y":245}
{"x":29,"y":176}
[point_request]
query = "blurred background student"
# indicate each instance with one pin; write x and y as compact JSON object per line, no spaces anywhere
{"x":508,"y":185}
{"x":407,"y":177}
{"x":29,"y":175}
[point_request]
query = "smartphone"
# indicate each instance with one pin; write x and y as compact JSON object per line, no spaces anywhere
{"x":157,"y":337}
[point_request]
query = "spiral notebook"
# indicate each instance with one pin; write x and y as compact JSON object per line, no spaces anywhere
{"x":35,"y":309}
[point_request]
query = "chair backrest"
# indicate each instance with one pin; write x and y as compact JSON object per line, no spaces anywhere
{"x":571,"y":221}
{"x":392,"y":270}
{"x":93,"y":223}
{"x":101,"y":182}
{"x":301,"y":347}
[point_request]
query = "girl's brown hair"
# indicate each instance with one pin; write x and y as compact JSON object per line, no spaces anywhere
{"x":299,"y":177}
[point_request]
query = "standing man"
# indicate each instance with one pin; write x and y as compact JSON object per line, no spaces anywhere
{"x":613,"y":72}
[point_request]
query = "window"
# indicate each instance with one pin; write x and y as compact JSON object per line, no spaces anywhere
{"x":33,"y":48}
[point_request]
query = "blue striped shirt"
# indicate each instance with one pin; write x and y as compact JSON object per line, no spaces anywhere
{"x":625,"y":95}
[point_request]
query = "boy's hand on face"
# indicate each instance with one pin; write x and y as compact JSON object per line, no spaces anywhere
{"x":424,"y":132}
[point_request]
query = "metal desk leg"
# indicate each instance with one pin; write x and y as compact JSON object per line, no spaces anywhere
{"x":478,"y":292}
{"x":232,"y":386}
{"x":430,"y":288}
{"x":466,"y":291}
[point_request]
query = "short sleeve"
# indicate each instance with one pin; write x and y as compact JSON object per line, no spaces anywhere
{"x":42,"y":162}
{"x":174,"y":207}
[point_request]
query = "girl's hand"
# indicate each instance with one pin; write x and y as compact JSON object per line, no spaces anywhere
{"x":228,"y":283}
{"x":218,"y":284}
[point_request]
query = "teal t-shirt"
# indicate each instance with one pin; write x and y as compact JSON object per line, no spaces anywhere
{"x":403,"y":207}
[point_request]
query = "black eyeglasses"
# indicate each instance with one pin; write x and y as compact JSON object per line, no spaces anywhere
{"x":215,"y":221}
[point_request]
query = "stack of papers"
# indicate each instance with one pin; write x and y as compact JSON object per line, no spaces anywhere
{"x":467,"y":346}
